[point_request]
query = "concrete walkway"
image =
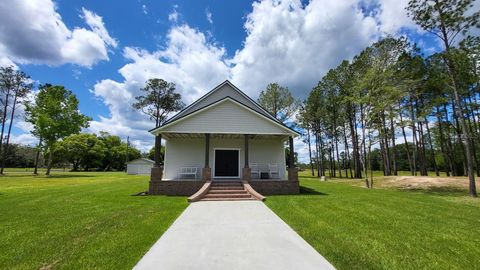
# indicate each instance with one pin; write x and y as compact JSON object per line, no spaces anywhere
{"x":231,"y":235}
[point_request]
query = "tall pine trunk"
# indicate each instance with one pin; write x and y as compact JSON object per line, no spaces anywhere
{"x":407,"y":147}
{"x":432,"y":151}
{"x":394,"y":150}
{"x":310,"y":151}
{"x":4,"y":119}
{"x":465,"y":130}
{"x":5,"y":152}
{"x":37,"y":156}
{"x":49,"y":164}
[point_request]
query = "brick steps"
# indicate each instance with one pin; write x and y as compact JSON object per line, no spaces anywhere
{"x":228,"y":199}
{"x":226,"y":188}
{"x":227,"y":191}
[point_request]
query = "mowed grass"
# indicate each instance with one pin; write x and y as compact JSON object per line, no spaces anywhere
{"x":357,"y":228}
{"x":80,"y":220}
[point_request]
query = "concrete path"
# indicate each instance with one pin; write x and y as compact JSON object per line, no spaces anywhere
{"x":231,"y":235}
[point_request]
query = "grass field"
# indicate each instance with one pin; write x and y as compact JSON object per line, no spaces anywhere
{"x":91,"y":221}
{"x":357,"y":228}
{"x":79,"y":220}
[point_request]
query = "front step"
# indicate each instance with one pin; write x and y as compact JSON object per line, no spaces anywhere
{"x":237,"y":195}
{"x":228,"y":199}
{"x":227,"y":190}
{"x":224,"y":191}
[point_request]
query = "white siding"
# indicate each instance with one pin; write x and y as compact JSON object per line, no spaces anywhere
{"x":226,"y":117}
{"x":183,"y":153}
{"x":143,"y":168}
{"x":225,"y":91}
{"x":190,"y":153}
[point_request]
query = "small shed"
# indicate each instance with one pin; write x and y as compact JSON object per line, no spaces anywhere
{"x":140,"y":166}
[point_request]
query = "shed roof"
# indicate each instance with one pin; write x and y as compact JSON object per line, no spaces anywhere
{"x":146,"y":160}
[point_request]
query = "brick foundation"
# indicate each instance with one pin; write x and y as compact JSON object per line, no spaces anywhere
{"x":206,"y":174}
{"x":246,"y":174}
{"x":175,"y":188}
{"x":275,"y":187}
{"x":156,"y":173}
{"x":293,"y":174}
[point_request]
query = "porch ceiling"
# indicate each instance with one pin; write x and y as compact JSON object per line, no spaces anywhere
{"x":220,"y":136}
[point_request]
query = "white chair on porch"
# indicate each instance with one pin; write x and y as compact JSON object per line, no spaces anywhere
{"x":273,"y":170}
{"x":254,"y":170}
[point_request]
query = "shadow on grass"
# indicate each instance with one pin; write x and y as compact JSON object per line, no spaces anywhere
{"x":67,"y":176}
{"x":440,"y":191}
{"x":43,"y":176}
{"x":310,"y":191}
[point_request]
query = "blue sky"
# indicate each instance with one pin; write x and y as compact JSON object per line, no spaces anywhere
{"x":105,"y":50}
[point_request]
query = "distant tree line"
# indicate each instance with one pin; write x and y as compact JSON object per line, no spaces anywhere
{"x":57,"y":123}
{"x":354,"y":119}
{"x":355,"y":116}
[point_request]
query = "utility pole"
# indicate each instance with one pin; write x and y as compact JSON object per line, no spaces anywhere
{"x":126,"y":153}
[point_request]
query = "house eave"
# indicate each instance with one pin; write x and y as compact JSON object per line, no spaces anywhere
{"x":290,"y":131}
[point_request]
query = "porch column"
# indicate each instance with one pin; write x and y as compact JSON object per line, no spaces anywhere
{"x":207,"y":171}
{"x":156,"y":172}
{"x":246,"y":172}
{"x":158,"y":147}
{"x":246,"y":151}
{"x":291,"y":158}
{"x":292,"y":170}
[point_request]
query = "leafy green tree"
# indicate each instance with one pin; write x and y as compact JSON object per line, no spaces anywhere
{"x":14,"y":85}
{"x":159,"y":100}
{"x":82,"y":150}
{"x":278,"y":101}
{"x":151,"y":154}
{"x":20,"y":156}
{"x":115,"y":154}
{"x":55,"y":115}
{"x":449,"y":20}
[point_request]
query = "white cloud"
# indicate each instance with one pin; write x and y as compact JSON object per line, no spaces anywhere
{"x":392,"y":16}
{"x":33,"y":32}
{"x":286,"y":42}
{"x":144,"y":9}
{"x":98,"y":27}
{"x":209,"y":16}
{"x":295,"y":45}
{"x":26,"y":138}
{"x":189,"y":60}
{"x":173,"y":17}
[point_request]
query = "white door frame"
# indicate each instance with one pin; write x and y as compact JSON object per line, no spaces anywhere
{"x":215,"y":156}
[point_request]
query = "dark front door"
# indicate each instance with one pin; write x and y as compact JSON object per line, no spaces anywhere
{"x":226,"y":163}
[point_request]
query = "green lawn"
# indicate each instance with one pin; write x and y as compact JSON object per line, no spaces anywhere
{"x":357,"y":228}
{"x":79,"y":220}
{"x":91,"y":220}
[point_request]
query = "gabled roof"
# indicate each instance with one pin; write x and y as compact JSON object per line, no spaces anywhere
{"x":214,"y":95}
{"x":142,"y":159}
{"x":224,"y":91}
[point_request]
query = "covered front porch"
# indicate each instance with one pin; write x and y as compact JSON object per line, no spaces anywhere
{"x":192,"y":159}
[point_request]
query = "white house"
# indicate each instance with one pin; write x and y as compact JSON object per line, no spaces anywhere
{"x":140,"y":166}
{"x":224,"y":135}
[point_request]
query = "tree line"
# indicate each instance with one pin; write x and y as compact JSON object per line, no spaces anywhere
{"x":391,"y":92}
{"x":53,"y":112}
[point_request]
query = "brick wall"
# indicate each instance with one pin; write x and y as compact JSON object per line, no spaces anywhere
{"x":176,"y":188}
{"x":272,"y":187}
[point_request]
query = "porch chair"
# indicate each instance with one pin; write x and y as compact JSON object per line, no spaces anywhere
{"x":273,"y":170}
{"x":254,"y":170}
{"x":188,"y":171}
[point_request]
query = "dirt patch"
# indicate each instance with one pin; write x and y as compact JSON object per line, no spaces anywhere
{"x":425,"y":182}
